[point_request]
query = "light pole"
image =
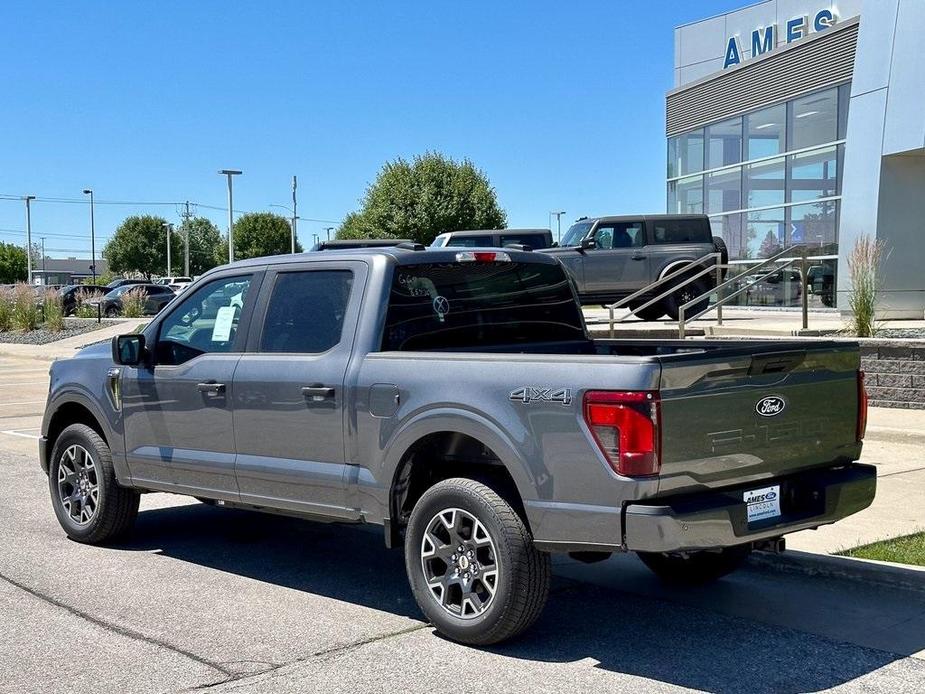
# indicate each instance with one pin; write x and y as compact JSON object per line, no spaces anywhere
{"x":169,"y":227}
{"x":295,"y":216}
{"x":314,"y":239}
{"x":89,"y":191}
{"x":558,"y":214}
{"x":43,"y":260}
{"x":329,"y":230}
{"x":29,"y":199}
{"x":229,"y":173}
{"x":292,"y":222}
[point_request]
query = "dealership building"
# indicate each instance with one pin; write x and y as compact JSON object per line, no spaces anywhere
{"x":802,"y":122}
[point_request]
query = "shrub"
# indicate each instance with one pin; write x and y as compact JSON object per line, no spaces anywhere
{"x":82,"y":309}
{"x":26,"y":312}
{"x":133,"y":303}
{"x":863,"y":265}
{"x":6,"y":308}
{"x":53,"y":308}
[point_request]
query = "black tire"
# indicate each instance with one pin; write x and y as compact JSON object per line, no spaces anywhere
{"x":115,"y":508}
{"x":675,"y":300}
{"x":695,"y":568}
{"x":112,"y":312}
{"x":649,"y":313}
{"x":522,"y":573}
{"x":719,"y":246}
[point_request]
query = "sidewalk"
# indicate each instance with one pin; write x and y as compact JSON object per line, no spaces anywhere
{"x":895,"y":443}
{"x":737,"y":321}
{"x":66,"y":348}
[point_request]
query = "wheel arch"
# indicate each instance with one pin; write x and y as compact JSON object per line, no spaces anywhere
{"x":74,"y":409}
{"x":466,"y":445}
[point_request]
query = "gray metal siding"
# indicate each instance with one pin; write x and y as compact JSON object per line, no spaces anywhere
{"x":825,"y":59}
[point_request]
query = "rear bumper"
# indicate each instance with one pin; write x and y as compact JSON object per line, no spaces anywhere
{"x":718,"y":519}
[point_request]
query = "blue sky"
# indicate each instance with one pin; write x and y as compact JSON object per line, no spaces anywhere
{"x":561,"y":104}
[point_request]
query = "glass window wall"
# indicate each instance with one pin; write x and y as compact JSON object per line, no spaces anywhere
{"x":685,"y":154}
{"x":767,"y":132}
{"x":724,"y":190}
{"x":685,"y":196}
{"x":815,"y":119}
{"x":724,"y":143}
{"x":764,"y":183}
{"x":813,"y":174}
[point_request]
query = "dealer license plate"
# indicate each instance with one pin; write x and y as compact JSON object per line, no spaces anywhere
{"x":762,"y":504}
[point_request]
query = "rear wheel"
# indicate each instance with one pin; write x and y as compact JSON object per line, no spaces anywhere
{"x":87,"y":499}
{"x":112,"y":312}
{"x":695,"y":568}
{"x":649,"y":313}
{"x":472,"y":565}
{"x":689,"y":292}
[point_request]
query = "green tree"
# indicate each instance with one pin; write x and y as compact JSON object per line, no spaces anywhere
{"x":140,"y":245}
{"x":205,"y":240}
{"x":258,"y":234}
{"x":12,"y":263}
{"x":420,"y":199}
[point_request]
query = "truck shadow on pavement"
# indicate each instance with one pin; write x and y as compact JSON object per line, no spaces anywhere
{"x":656,"y":635}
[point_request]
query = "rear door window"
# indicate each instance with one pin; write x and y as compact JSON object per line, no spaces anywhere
{"x":306,"y":311}
{"x":480,"y":306}
{"x":681,"y":231}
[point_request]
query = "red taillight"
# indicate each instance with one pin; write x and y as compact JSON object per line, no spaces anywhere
{"x":482,"y":257}
{"x":625,"y":426}
{"x":862,"y":407}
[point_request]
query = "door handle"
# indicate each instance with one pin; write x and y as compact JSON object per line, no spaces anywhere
{"x":638,"y":256}
{"x":317,"y":392}
{"x":211,"y":388}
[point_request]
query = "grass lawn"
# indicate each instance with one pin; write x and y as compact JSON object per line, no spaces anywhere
{"x":903,"y":550}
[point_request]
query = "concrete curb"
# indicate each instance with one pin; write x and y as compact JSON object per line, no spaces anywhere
{"x":884,"y":573}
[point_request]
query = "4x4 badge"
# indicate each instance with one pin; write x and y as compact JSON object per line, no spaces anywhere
{"x":529,"y":394}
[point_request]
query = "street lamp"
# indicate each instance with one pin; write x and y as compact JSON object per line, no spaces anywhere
{"x":169,"y":227}
{"x":291,"y":210}
{"x":29,"y":199}
{"x":329,"y":230}
{"x":89,"y":191}
{"x":558,"y":214}
{"x":229,"y":173}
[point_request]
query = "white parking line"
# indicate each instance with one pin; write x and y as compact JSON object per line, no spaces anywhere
{"x":20,"y":432}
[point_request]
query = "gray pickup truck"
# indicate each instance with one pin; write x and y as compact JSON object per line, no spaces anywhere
{"x":610,"y":258}
{"x":454,"y":397}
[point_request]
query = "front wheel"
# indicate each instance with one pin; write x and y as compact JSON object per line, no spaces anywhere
{"x":696,"y":568}
{"x":87,"y":499}
{"x":649,"y":313}
{"x":472,"y":565}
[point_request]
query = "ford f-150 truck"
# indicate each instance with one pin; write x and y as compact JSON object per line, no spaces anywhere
{"x":453,"y":397}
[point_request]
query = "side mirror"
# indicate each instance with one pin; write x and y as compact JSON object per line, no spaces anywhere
{"x":128,"y":350}
{"x":588,"y":243}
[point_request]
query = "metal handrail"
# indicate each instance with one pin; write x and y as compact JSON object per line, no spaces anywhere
{"x":804,"y":300}
{"x":671,"y":275}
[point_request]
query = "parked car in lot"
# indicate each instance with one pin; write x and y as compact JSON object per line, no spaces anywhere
{"x":610,"y":258}
{"x":820,"y":281}
{"x":156,"y":297}
{"x":176,"y":283}
{"x":534,"y":239}
{"x":454,"y":397}
{"x":71,"y":295}
{"x":780,"y":289}
{"x":122,"y":281}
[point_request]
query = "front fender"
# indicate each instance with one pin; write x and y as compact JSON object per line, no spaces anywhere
{"x":79,"y":394}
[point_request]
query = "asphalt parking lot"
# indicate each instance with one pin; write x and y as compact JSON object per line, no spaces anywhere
{"x":201,"y":597}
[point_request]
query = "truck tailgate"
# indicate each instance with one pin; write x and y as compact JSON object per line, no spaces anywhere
{"x":752,"y":414}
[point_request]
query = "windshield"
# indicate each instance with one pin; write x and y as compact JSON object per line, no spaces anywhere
{"x":576,"y":233}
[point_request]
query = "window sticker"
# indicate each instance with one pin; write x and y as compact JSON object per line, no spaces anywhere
{"x":224,"y":319}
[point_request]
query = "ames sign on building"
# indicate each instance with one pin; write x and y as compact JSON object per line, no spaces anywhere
{"x":802,"y":122}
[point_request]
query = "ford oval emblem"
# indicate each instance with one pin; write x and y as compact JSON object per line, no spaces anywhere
{"x":770,"y":406}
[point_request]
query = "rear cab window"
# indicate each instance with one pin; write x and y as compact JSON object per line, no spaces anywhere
{"x":480,"y":306}
{"x":306,"y":311}
{"x":533,"y":241}
{"x":681,"y":231}
{"x":485,"y":241}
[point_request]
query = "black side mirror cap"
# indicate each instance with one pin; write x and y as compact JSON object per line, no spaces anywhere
{"x":128,"y":350}
{"x":588,"y":243}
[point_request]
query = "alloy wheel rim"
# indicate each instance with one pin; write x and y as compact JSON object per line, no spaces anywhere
{"x":78,"y":484}
{"x":459,"y":561}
